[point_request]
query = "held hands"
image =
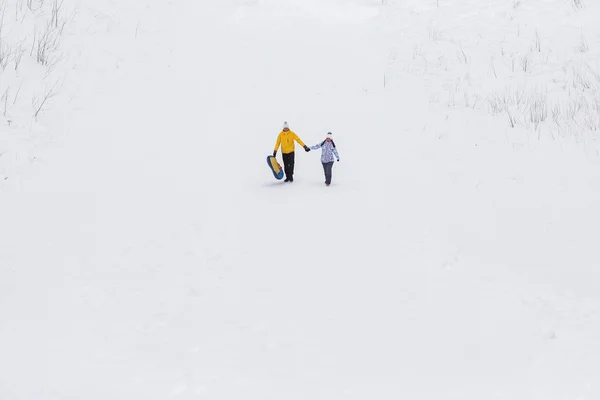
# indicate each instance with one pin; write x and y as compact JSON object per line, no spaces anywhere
{"x":306,"y":148}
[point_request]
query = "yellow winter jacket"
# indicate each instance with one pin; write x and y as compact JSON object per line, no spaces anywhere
{"x":286,"y":140}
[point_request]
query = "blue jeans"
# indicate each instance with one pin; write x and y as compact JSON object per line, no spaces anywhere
{"x":327,"y":169}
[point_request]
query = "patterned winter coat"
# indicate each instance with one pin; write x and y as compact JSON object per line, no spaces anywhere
{"x":328,"y":150}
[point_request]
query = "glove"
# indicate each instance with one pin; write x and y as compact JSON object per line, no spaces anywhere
{"x":274,"y":153}
{"x":338,"y":160}
{"x":306,"y":148}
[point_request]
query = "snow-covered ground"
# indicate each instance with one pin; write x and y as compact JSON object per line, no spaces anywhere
{"x":147,"y":252}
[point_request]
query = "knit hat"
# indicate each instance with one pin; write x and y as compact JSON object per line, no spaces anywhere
{"x":285,"y":125}
{"x":329,"y":135}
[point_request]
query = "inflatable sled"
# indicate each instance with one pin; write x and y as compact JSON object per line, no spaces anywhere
{"x":275,"y":167}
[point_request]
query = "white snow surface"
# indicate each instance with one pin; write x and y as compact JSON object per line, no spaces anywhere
{"x":147,"y":252}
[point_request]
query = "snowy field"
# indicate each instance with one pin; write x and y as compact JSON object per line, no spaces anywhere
{"x":147,"y":252}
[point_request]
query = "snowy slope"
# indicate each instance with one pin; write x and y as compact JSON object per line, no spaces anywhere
{"x":153,"y":255}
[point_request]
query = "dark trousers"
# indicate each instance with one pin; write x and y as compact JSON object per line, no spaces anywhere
{"x":288,"y":165}
{"x":327,"y":169}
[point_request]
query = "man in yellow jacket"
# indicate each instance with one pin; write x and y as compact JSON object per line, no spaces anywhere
{"x":286,"y":140}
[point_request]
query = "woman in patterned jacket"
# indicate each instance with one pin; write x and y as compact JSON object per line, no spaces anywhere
{"x":328,"y":150}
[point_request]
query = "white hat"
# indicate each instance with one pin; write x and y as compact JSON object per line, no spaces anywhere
{"x":329,"y":135}
{"x":285,"y":125}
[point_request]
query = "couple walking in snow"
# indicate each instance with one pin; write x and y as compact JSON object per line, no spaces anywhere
{"x":286,"y":140}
